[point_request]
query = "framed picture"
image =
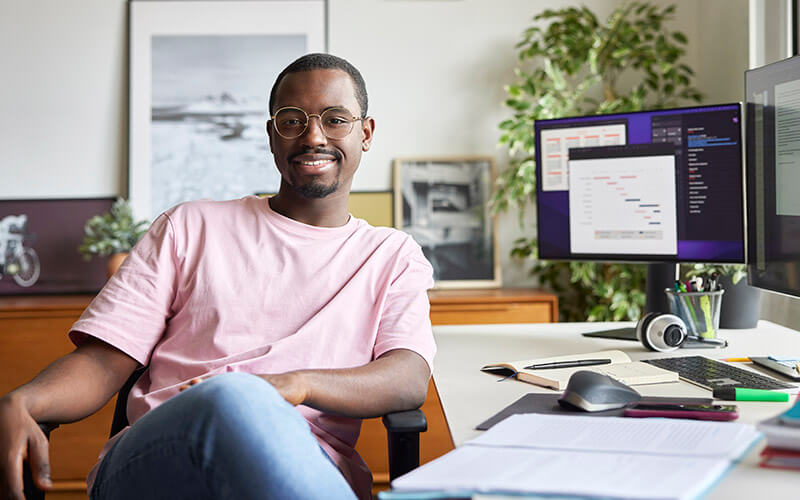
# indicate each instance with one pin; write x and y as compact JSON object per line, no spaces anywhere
{"x":39,"y":242}
{"x":444,"y":205}
{"x":200,"y":78}
{"x":375,"y":207}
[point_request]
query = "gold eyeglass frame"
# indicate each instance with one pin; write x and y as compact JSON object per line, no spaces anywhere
{"x":352,"y":120}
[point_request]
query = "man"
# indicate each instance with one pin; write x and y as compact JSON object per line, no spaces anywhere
{"x":249,"y":314}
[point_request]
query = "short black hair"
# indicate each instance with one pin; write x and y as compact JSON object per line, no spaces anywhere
{"x":314,"y":61}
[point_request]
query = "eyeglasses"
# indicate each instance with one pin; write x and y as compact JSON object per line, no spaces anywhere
{"x":291,"y":122}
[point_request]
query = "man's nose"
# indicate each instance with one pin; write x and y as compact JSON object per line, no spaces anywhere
{"x":314,"y":135}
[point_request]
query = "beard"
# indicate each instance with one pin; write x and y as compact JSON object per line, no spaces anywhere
{"x":317,"y":189}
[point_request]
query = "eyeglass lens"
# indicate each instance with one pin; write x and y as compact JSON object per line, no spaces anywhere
{"x":292,"y":122}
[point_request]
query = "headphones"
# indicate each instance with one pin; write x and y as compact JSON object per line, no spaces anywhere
{"x":661,"y":331}
{"x":665,"y":332}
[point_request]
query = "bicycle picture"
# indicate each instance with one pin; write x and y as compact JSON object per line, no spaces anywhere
{"x":17,"y":260}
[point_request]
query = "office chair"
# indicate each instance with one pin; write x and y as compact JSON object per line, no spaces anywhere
{"x":402,"y":432}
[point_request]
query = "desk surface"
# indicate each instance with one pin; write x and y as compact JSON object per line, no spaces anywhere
{"x":469,"y":396}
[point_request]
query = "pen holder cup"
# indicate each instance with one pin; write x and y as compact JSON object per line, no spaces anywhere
{"x":699,"y":310}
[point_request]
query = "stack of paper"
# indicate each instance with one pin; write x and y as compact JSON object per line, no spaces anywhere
{"x":586,"y":456}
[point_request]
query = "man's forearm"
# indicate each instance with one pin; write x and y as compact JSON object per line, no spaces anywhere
{"x":396,"y":381}
{"x":76,"y":385}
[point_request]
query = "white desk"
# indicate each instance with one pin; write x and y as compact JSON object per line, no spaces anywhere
{"x":469,"y":396}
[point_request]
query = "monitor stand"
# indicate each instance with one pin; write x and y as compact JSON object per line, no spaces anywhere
{"x":659,"y":277}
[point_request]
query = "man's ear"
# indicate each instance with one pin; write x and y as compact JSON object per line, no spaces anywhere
{"x":270,"y":130}
{"x":367,"y":130}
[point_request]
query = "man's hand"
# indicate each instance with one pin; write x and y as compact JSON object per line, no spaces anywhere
{"x":291,"y":385}
{"x":396,"y":381}
{"x":21,"y":439}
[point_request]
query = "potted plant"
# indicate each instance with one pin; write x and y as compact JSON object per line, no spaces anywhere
{"x":741,"y":303}
{"x":112,"y":234}
{"x":581,"y":65}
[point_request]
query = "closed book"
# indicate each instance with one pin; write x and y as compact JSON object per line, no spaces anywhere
{"x":780,"y":435}
{"x":778,"y":458}
{"x":621,"y":368}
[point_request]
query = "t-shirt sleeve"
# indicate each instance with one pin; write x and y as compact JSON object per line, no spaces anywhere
{"x":131,"y":311}
{"x":405,"y":322}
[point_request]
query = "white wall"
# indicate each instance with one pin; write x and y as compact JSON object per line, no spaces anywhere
{"x":63,"y":88}
{"x":435,"y":71}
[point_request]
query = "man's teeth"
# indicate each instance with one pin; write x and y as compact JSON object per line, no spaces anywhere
{"x":316,"y":162}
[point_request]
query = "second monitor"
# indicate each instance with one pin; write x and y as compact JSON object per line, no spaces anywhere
{"x":658,"y":186}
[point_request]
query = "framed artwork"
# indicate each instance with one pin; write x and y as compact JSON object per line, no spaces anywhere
{"x":200,"y":78}
{"x":444,"y":204}
{"x":375,"y":207}
{"x":39,"y":242}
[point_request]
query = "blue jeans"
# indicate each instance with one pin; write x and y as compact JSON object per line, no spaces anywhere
{"x":231,"y":436}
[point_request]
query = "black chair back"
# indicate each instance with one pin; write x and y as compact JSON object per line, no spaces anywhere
{"x":120,"y":419}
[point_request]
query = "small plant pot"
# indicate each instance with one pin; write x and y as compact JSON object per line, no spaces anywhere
{"x":741,"y":306}
{"x":114,"y":262}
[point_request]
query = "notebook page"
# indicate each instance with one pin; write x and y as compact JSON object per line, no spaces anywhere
{"x":522,"y":470}
{"x":659,"y":436}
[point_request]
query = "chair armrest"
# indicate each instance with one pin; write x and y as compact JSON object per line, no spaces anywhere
{"x":402,"y":432}
{"x":405,"y":421}
{"x":29,"y":489}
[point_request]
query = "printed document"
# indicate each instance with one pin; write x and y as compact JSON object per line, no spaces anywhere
{"x":587,"y":456}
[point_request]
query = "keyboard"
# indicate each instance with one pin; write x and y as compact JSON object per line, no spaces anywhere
{"x":713,"y":374}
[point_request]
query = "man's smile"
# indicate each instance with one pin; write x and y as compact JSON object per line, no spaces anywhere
{"x":314,"y":162}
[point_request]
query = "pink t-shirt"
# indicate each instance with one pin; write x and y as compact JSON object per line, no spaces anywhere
{"x":217,"y":287}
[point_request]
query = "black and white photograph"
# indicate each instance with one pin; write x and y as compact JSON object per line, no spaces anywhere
{"x":199,"y":96}
{"x":444,"y":205}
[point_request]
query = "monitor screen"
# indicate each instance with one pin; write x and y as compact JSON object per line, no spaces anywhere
{"x":650,"y":186}
{"x":773,"y":176}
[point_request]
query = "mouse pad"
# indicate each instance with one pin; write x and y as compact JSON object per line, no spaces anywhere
{"x":548,"y":403}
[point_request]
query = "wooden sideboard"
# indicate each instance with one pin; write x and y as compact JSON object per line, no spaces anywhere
{"x":492,"y":305}
{"x":33,"y":333}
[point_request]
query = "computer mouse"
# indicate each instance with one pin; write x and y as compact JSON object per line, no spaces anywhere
{"x":592,"y":391}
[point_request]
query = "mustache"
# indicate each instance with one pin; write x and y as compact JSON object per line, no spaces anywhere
{"x":319,"y":151}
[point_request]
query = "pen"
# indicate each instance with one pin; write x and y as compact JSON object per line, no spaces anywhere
{"x":737,"y":360}
{"x":705,"y":305}
{"x":742,"y":394}
{"x":797,"y":367}
{"x":569,"y":364}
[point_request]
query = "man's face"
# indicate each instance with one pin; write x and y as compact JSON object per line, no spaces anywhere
{"x":312,"y":164}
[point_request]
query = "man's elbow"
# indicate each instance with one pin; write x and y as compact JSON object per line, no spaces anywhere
{"x":418,"y":391}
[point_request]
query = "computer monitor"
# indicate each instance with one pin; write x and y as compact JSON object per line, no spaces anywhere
{"x":773,"y":176}
{"x":660,"y":187}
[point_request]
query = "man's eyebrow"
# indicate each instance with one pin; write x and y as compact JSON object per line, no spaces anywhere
{"x":337,"y":106}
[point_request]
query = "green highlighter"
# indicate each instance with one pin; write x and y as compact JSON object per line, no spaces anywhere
{"x":743,"y":394}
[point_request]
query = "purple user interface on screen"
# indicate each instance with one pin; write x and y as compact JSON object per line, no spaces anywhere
{"x":610,"y":187}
